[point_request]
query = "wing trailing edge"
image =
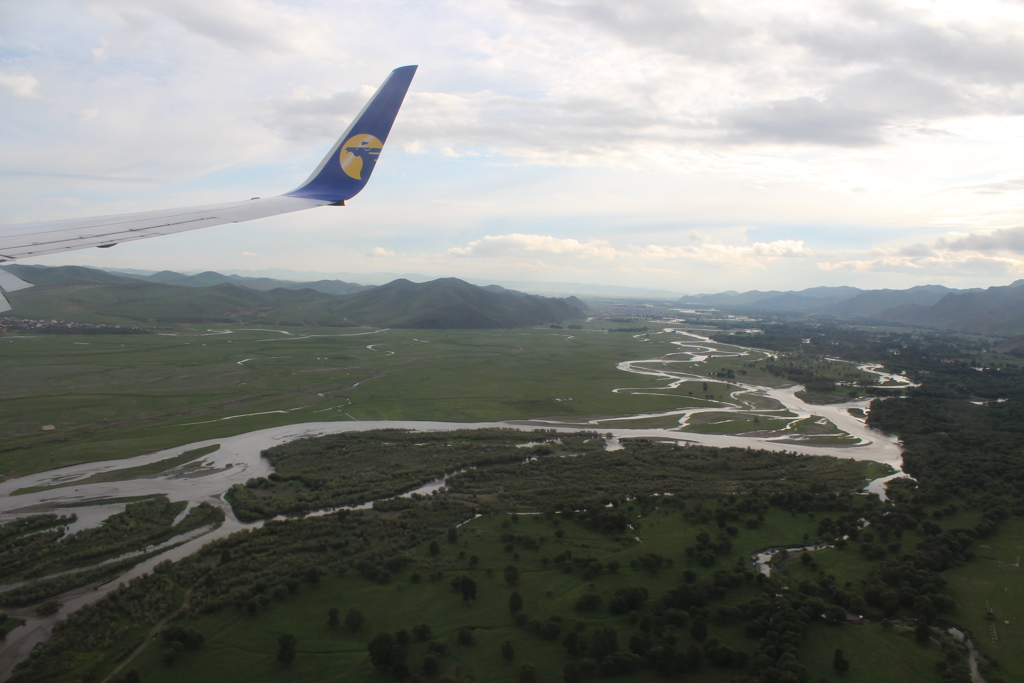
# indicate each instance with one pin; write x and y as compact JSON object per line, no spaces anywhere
{"x":339,"y":177}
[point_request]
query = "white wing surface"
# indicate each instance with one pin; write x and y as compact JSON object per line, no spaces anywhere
{"x":37,"y":239}
{"x":339,"y":177}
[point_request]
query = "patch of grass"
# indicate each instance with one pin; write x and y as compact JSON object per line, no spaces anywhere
{"x":738,"y":424}
{"x":123,"y":395}
{"x":113,"y":501}
{"x":876,"y":470}
{"x":665,"y":422}
{"x":993,"y":579}
{"x":824,"y":398}
{"x":11,"y":623}
{"x":874,"y":655}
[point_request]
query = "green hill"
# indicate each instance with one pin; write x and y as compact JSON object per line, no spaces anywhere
{"x":451,"y":303}
{"x":78,"y":294}
{"x":263,"y":284}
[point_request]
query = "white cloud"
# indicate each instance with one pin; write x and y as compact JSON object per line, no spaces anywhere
{"x":540,"y":247}
{"x":380,"y":252}
{"x":497,"y":246}
{"x":25,"y":85}
{"x":250,"y":26}
{"x":997,"y":252}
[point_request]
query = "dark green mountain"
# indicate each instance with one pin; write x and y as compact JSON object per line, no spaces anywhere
{"x":73,"y":294}
{"x":996,"y":310}
{"x":873,"y":302}
{"x":804,"y":300}
{"x":451,"y":303}
{"x":263,"y":284}
{"x":88,"y":295}
{"x":63,"y":275}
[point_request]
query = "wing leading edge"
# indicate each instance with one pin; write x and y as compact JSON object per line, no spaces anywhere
{"x":339,"y":177}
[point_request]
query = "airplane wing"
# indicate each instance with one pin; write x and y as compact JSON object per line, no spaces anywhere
{"x":339,"y":177}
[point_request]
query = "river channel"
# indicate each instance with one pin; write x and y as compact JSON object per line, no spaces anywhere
{"x":238,"y":459}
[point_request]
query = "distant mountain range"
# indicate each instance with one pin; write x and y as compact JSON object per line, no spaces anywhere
{"x":452,"y":303}
{"x":91,"y":295}
{"x":263,"y":284}
{"x":300,"y":278}
{"x":996,"y":310}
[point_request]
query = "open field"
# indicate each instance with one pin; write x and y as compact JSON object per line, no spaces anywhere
{"x":242,"y":646}
{"x":111,"y":396}
{"x":874,"y":655}
{"x":994,"y":580}
{"x":114,"y":396}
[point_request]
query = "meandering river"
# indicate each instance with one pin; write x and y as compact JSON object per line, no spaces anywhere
{"x":238,"y":459}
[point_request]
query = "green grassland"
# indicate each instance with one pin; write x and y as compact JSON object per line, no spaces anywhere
{"x":111,"y":396}
{"x":874,"y":655}
{"x":240,"y":646}
{"x":115,"y":300}
{"x":994,"y":580}
{"x":115,"y":396}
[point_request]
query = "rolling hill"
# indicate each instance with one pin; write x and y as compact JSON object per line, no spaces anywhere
{"x":996,"y":310}
{"x":262,"y":284}
{"x":88,"y":295}
{"x":452,"y":303}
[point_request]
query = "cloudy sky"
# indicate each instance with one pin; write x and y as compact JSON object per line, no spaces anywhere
{"x":683,"y":145}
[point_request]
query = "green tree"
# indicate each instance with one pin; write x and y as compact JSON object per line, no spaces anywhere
{"x":511,"y":575}
{"x":839,"y":662}
{"x":507,"y":651}
{"x":453,"y":535}
{"x":528,"y":674}
{"x":381,"y":648}
{"x":48,"y":608}
{"x":431,"y":664}
{"x":571,"y":673}
{"x":604,"y":642}
{"x":332,"y":617}
{"x":699,"y":629}
{"x":286,"y":648}
{"x":515,"y":602}
{"x":354,"y":619}
{"x":435,"y":549}
{"x":466,"y":586}
{"x":572,"y":644}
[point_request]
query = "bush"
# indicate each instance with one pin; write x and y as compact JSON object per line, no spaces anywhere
{"x":48,"y":608}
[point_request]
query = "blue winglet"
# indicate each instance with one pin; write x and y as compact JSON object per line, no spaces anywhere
{"x":347,"y":167}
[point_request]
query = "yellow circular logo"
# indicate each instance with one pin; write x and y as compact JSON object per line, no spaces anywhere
{"x":358,"y":153}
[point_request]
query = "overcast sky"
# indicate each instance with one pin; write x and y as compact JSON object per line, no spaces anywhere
{"x":674,"y":144}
